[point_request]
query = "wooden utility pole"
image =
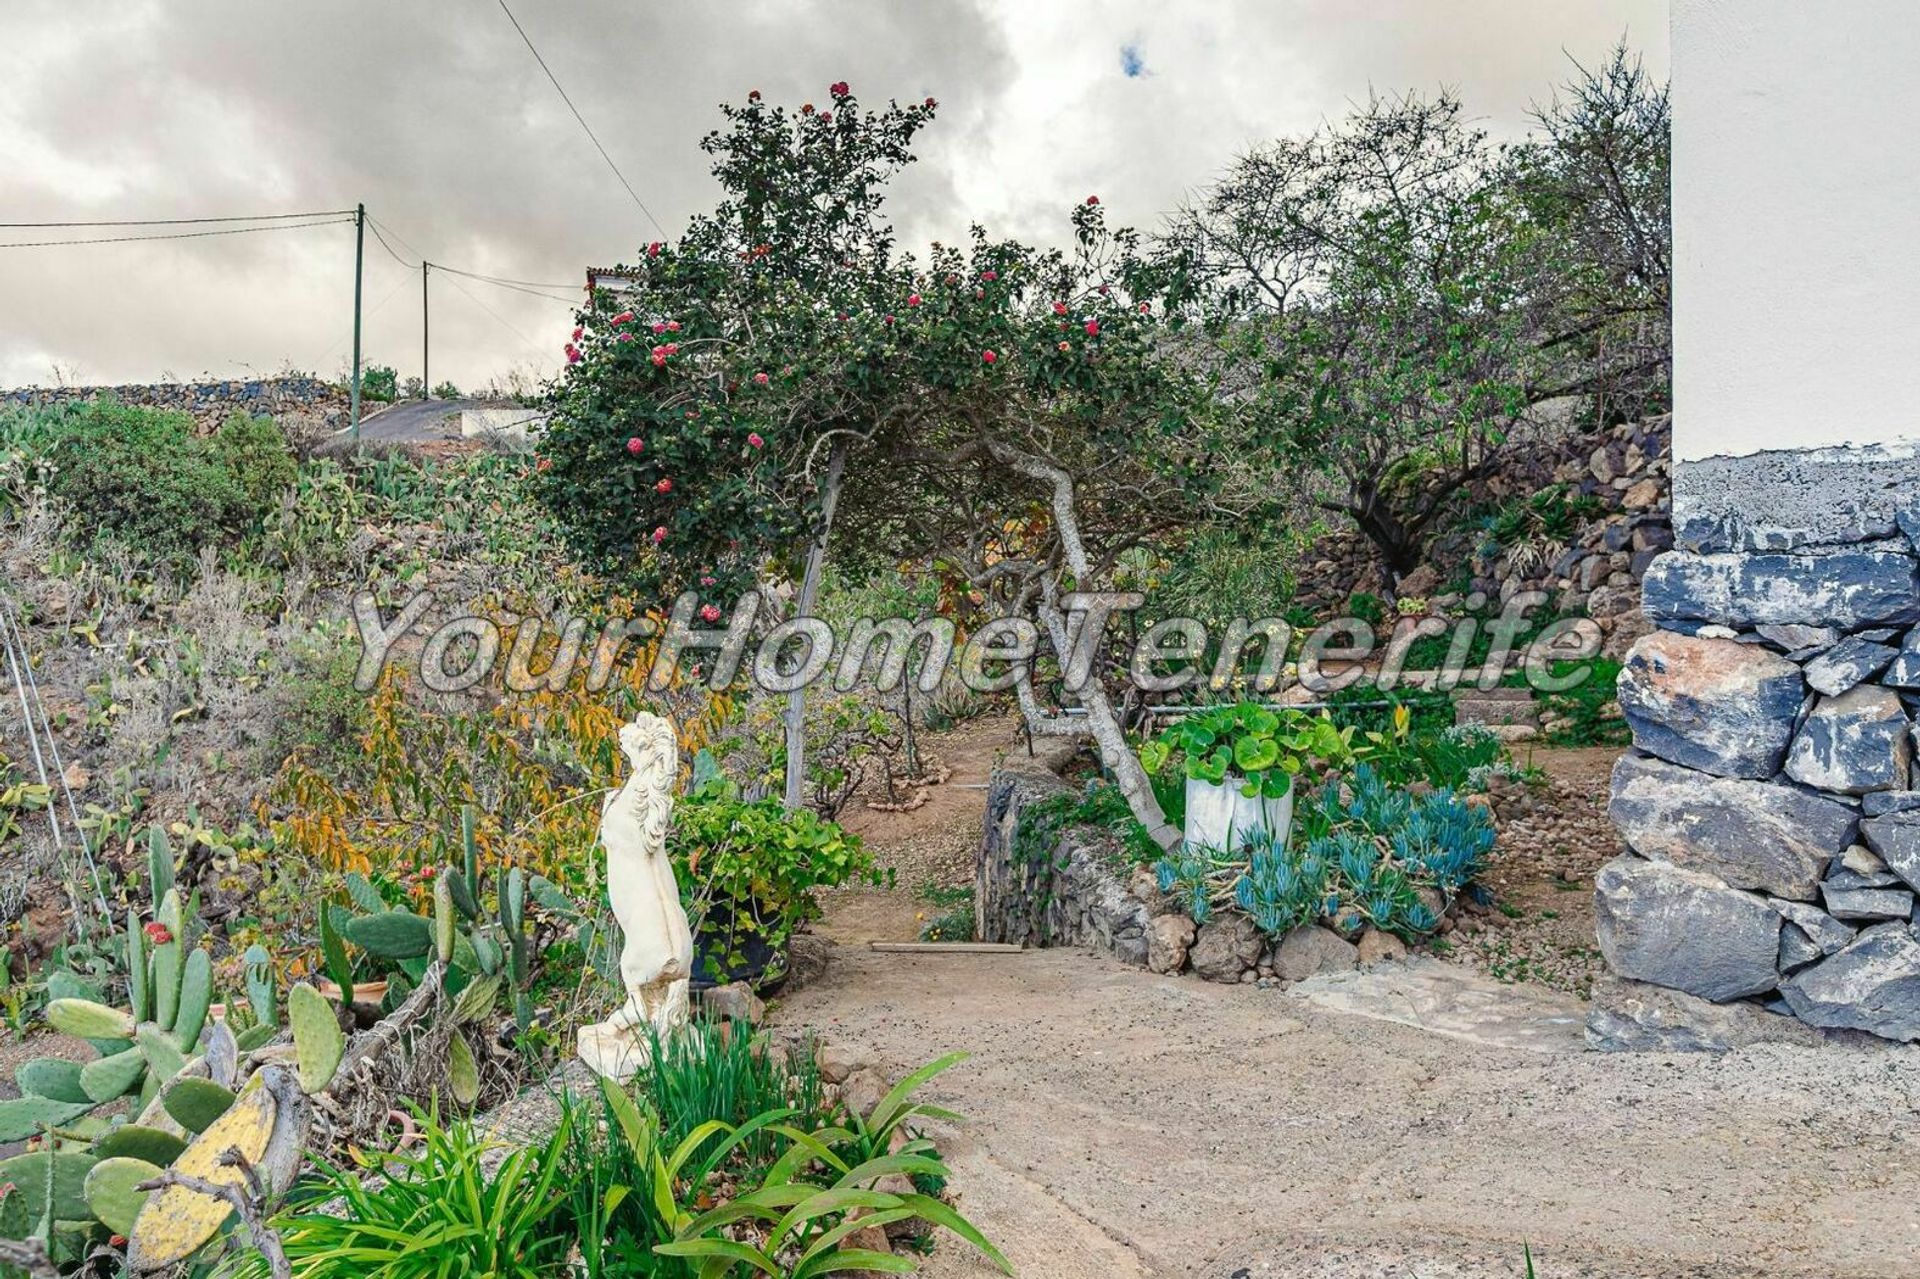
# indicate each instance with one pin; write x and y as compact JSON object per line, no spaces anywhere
{"x":359,"y":262}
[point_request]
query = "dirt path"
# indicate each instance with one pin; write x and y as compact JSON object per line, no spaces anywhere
{"x":930,"y":846}
{"x":1127,"y":1125}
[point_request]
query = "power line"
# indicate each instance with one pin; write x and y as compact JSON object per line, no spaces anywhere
{"x":173,"y":235}
{"x":582,"y":119}
{"x":530,"y":290}
{"x":375,"y":223}
{"x":260,"y":217}
{"x":518,"y":286}
{"x":531,"y":344}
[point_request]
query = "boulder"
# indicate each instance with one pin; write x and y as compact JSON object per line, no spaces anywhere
{"x":1873,"y":984}
{"x":1684,"y":929}
{"x":1377,"y":947}
{"x":1749,"y":834}
{"x":839,"y":1062}
{"x":1224,"y":947}
{"x":1716,"y":705}
{"x":1631,"y":1016}
{"x":1168,"y":939}
{"x":1850,"y":662}
{"x":1848,"y":589}
{"x":1854,"y":743}
{"x":734,"y":1001}
{"x":1867,"y":905}
{"x":1306,"y":951}
{"x":1896,"y":838}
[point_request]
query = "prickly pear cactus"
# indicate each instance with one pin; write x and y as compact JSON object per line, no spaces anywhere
{"x":316,"y":1037}
{"x":175,"y":1222}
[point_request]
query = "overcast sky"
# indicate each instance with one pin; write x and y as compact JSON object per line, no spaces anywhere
{"x":434,"y":114}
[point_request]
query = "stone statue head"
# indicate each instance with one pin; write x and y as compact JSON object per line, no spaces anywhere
{"x":649,"y":744}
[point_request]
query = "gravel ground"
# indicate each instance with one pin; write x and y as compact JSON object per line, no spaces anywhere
{"x":1124,"y":1124}
{"x":1553,"y":837}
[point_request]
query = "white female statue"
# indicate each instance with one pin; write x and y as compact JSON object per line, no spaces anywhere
{"x":656,"y":957}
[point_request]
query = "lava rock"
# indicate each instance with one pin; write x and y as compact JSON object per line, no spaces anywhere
{"x":1854,"y":743}
{"x":1867,"y":904}
{"x":1756,"y":835}
{"x":1880,"y":803}
{"x":1848,"y":589}
{"x":1825,"y":932}
{"x":1905,"y":670}
{"x":1791,"y":637}
{"x":1852,"y":661}
{"x":1896,"y":838}
{"x":1719,"y":706}
{"x":1632,"y":1016}
{"x":1306,"y":951}
{"x":1226,"y":946}
{"x":1872,"y":985}
{"x":1684,"y":929}
{"x":734,"y":1001}
{"x":1169,"y":937}
{"x":1377,"y":947}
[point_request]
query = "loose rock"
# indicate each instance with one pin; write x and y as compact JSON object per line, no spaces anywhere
{"x":1680,"y":928}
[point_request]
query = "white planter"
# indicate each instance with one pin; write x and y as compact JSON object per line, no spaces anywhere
{"x":1219,"y":816}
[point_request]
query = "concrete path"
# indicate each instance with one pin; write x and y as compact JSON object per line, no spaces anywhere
{"x":1124,"y":1125}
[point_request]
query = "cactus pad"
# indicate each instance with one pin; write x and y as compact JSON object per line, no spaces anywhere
{"x":392,"y":934}
{"x":110,"y":1192}
{"x":131,"y":1141}
{"x":316,"y":1036}
{"x":195,"y":1103}
{"x":109,"y":1077}
{"x":175,"y":1222}
{"x":50,"y":1077}
{"x":24,"y":1117}
{"x":462,"y":1074}
{"x":88,"y":1020}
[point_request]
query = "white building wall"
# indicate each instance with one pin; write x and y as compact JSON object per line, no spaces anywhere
{"x":1796,"y":206}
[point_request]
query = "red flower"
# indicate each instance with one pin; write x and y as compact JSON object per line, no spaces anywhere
{"x":664,"y":486}
{"x":1093,"y":199}
{"x":625,"y":317}
{"x":158,"y":933}
{"x":839,"y":89}
{"x":543,"y":465}
{"x":706,"y":581}
{"x":659,"y":327}
{"x":579,"y":333}
{"x":635,"y":444}
{"x":1145,"y":307}
{"x":760,"y":379}
{"x":653,"y":250}
{"x":673,"y":326}
{"x":988,"y":356}
{"x":573,"y":354}
{"x":671,"y":348}
{"x":989,"y":276}
{"x":623,"y":337}
{"x":930,"y":104}
{"x":889,"y":319}
{"x":1093,"y":328}
{"x":806,"y":108}
{"x":826,"y":117}
{"x":979,"y":293}
{"x":660,"y":535}
{"x":913,"y":299}
{"x":753,"y":95}
{"x":709,"y":612}
{"x":754,"y":440}
{"x":1059,"y":308}
{"x":1066,"y":346}
{"x":1103,"y":290}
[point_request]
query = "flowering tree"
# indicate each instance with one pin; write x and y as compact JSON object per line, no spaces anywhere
{"x":1022,"y":416}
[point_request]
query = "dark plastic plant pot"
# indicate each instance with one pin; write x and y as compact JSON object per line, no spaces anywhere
{"x":720,"y":958}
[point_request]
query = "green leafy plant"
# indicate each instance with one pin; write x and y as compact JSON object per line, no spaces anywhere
{"x":1261,"y":749}
{"x":379,"y":382}
{"x":749,"y":869}
{"x":445,"y":1210}
{"x":713,"y":1071}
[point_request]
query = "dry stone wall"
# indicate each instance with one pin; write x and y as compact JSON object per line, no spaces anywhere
{"x":319,"y":403}
{"x":1771,"y":803}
